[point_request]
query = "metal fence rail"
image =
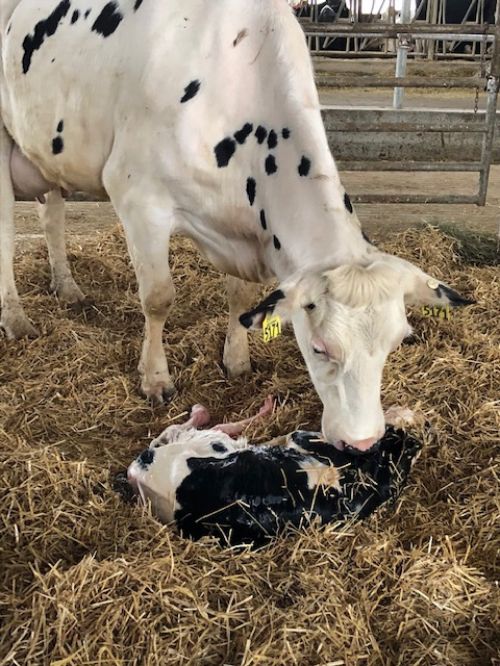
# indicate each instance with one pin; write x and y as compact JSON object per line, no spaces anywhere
{"x":411,"y":121}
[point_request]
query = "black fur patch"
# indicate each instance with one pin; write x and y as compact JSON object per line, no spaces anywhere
{"x":224,"y":151}
{"x":272,"y":140}
{"x":43,"y":29}
{"x":304,"y":166}
{"x":276,"y":242}
{"x":190,"y":91}
{"x":271,"y":166}
{"x":366,"y":238}
{"x":285,"y":133}
{"x":60,"y":126}
{"x":218,"y":447}
{"x":263,"y":220}
{"x":455,"y":299}
{"x":108,"y":20}
{"x":75,"y":17}
{"x":251,"y":190}
{"x":260,"y":134}
{"x":87,"y":13}
{"x":138,"y":3}
{"x":146,"y":458}
{"x":57,"y":145}
{"x":347,"y":202}
{"x":242,"y":134}
{"x":266,"y":306}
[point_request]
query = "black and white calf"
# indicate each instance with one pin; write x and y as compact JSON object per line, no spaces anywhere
{"x":210,"y":484}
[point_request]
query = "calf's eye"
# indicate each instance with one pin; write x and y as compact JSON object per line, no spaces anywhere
{"x":310,"y":306}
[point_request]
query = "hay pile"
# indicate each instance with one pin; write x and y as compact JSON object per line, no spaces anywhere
{"x":86,"y":579}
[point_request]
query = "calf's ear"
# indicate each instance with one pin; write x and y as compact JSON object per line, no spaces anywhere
{"x":277,"y":303}
{"x":422,"y":289}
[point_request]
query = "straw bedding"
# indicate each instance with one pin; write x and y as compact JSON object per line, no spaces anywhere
{"x":87,"y":579}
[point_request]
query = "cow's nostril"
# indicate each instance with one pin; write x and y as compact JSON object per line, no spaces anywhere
{"x":146,"y":457}
{"x":369,"y":445}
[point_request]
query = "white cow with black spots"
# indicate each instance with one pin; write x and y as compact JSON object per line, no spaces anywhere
{"x":202,"y":119}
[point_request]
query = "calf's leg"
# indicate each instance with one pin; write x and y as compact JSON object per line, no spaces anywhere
{"x":13,"y":320}
{"x":241,"y":296}
{"x":52,"y":219}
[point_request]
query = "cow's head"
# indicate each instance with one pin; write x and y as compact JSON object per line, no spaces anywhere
{"x":346,"y":321}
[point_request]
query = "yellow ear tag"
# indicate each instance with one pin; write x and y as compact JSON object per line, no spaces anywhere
{"x":271,"y":328}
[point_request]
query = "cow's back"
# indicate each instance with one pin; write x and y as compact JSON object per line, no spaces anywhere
{"x":80,"y":77}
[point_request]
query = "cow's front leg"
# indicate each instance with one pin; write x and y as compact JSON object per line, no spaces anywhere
{"x":241,"y":296}
{"x":13,"y":320}
{"x":52,"y":219}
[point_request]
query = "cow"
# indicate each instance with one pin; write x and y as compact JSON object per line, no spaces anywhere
{"x":203,"y":120}
{"x":210,"y":484}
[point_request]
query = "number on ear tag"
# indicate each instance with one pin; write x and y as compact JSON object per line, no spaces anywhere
{"x":438,"y":311}
{"x":271,"y":328}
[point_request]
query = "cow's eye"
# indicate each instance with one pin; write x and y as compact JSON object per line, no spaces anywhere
{"x":310,"y":306}
{"x":318,"y":350}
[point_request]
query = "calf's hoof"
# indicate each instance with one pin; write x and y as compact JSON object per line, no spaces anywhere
{"x":237,"y":369}
{"x":17,"y":325}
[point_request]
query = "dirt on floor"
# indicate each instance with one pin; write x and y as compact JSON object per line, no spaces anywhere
{"x":86,"y":579}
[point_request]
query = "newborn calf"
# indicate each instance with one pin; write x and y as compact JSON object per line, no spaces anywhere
{"x":211,"y":484}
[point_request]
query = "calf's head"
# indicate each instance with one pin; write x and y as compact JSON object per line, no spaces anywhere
{"x":347,"y":320}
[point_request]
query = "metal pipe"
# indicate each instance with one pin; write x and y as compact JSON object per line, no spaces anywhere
{"x":377,"y":198}
{"x":402,"y":56}
{"x":386,"y":165}
{"x":365,"y":81}
{"x":342,"y":29}
{"x":492,"y":86}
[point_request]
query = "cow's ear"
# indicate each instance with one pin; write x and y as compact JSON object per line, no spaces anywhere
{"x":277,"y":303}
{"x":422,"y":289}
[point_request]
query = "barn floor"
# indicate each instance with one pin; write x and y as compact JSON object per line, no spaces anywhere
{"x":86,"y":579}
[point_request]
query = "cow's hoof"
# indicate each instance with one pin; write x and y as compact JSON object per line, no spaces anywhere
{"x":17,"y":326}
{"x":161,"y":393}
{"x":69,"y":293}
{"x":236,"y":370}
{"x":84,"y":305}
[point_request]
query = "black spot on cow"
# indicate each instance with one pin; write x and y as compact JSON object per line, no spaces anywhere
{"x":57,"y":145}
{"x":87,"y":13}
{"x":272,"y":140}
{"x":224,"y":151}
{"x":240,"y":36}
{"x":276,"y":243}
{"x":138,"y":3}
{"x":242,"y":134}
{"x":9,"y":27}
{"x":60,"y":126}
{"x":218,"y":447}
{"x":347,"y":202}
{"x":108,"y":20}
{"x":270,"y":165}
{"x":263,"y":220}
{"x":260,"y":134}
{"x":190,"y":91}
{"x":53,"y":60}
{"x":251,"y":190}
{"x":304,"y":166}
{"x":75,"y":17}
{"x":43,"y":29}
{"x":285,"y":133}
{"x":146,"y":458}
